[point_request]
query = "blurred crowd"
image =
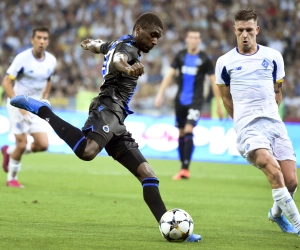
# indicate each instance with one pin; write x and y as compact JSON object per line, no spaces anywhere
{"x":71,"y":21}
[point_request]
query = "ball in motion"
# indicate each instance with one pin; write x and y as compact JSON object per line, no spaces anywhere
{"x":176,"y":225}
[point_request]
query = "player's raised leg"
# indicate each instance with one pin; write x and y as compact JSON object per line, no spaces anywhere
{"x":83,"y":147}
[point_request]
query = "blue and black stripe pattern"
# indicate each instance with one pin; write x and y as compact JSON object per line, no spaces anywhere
{"x":151,"y":181}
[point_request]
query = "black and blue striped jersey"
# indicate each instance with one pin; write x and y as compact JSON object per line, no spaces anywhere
{"x":192,"y":70}
{"x":119,"y":86}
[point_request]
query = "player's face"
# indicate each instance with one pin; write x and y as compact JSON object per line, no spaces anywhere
{"x":246,"y":32}
{"x":193,"y":40}
{"x":147,"y":38}
{"x":40,"y":41}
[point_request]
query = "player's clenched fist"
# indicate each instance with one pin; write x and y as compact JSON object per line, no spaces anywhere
{"x":136,"y":69}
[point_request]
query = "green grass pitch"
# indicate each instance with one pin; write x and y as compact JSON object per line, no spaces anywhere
{"x":72,"y":204}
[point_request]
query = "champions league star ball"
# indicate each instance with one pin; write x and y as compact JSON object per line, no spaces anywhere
{"x":176,"y":225}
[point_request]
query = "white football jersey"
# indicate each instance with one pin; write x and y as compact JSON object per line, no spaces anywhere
{"x":251,"y":80}
{"x":31,"y":74}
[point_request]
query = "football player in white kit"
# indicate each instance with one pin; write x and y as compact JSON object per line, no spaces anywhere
{"x":250,"y":79}
{"x":29,"y":73}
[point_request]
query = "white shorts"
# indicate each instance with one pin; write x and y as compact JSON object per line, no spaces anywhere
{"x":20,"y":126}
{"x":265,"y":133}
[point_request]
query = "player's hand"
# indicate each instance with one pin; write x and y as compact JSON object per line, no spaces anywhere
{"x":84,"y":43}
{"x":92,"y":45}
{"x":136,"y":69}
{"x":26,"y":115}
{"x":158,"y":101}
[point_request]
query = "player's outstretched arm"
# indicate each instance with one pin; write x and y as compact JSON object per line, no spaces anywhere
{"x":227,"y":99}
{"x":120,"y":62}
{"x":278,"y":92}
{"x":92,"y":45}
{"x":164,"y":84}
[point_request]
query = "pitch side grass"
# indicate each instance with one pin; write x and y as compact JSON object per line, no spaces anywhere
{"x":72,"y":204}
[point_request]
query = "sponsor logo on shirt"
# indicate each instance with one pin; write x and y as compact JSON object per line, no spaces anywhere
{"x":198,"y":62}
{"x":189,"y":70}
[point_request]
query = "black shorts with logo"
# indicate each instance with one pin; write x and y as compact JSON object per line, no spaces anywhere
{"x":187,"y":114}
{"x":105,"y":125}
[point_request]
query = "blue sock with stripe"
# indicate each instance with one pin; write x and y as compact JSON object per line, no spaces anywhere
{"x":152,"y":197}
{"x":71,"y":135}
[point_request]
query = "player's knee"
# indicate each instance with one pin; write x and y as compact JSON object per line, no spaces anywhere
{"x":90,"y":153}
{"x":145,"y":171}
{"x":291,"y":185}
{"x":262,"y":158}
{"x":41,"y":147}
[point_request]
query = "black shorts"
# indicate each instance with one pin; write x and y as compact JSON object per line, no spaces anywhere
{"x":186,"y":114}
{"x":105,"y":125}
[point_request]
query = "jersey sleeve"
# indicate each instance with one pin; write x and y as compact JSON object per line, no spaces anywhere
{"x":222,"y":76}
{"x":129,"y":50}
{"x":176,"y":63}
{"x":104,"y":48}
{"x":278,"y":71}
{"x":15,"y":68}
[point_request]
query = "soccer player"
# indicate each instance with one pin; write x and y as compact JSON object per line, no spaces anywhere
{"x":192,"y":65}
{"x":30,"y":73}
{"x":105,"y":127}
{"x":250,"y":79}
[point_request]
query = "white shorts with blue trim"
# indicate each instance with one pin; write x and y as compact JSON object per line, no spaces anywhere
{"x":18,"y":125}
{"x":265,"y":133}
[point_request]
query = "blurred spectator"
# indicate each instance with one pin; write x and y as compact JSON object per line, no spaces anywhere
{"x":71,"y":21}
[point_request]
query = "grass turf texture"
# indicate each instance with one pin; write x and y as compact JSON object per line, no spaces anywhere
{"x":71,"y":204}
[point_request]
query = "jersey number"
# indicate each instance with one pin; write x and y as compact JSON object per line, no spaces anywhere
{"x":193,"y":114}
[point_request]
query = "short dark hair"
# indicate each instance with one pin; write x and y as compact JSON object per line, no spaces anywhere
{"x":245,"y":15}
{"x":42,"y":29}
{"x":192,"y":29}
{"x":148,"y":19}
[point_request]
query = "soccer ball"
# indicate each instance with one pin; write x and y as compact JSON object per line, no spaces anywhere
{"x":176,"y":225}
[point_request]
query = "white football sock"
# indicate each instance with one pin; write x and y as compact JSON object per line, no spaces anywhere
{"x":14,"y":168}
{"x":286,"y":203}
{"x":276,"y":211}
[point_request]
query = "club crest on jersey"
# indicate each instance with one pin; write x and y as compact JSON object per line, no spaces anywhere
{"x":265,"y":64}
{"x":198,"y":62}
{"x":239,"y":68}
{"x":106,"y":128}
